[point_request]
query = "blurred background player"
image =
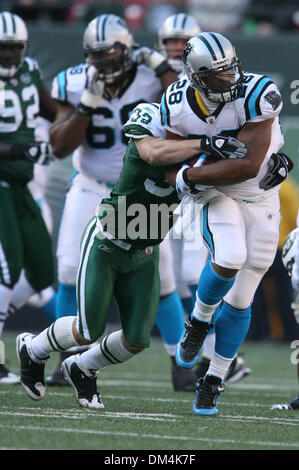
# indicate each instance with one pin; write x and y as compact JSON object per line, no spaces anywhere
{"x":290,"y":259}
{"x":25,"y":241}
{"x":95,"y":99}
{"x":38,"y":187}
{"x":172,"y":36}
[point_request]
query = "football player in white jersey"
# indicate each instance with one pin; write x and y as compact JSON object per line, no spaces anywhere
{"x":240,"y":220}
{"x":95,"y":99}
{"x":190,"y":255}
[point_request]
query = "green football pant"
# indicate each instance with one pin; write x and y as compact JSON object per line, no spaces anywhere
{"x":24,"y":239}
{"x":132,"y":277}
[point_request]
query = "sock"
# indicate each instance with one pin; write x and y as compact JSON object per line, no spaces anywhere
{"x":211,"y":289}
{"x":188,"y":302}
{"x":209,"y":345}
{"x":110,"y":351}
{"x":22,"y":291}
{"x":66,"y":301}
{"x":219,"y":366}
{"x":5,"y":295}
{"x":231,"y":328}
{"x":58,"y":337}
{"x":170,"y":321}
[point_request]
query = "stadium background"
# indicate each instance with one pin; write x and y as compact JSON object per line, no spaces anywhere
{"x":266,"y":36}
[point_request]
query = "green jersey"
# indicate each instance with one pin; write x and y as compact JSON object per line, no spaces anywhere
{"x":140,"y":209}
{"x":19,"y":108}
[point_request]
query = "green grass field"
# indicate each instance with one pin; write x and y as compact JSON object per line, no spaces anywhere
{"x":142,"y":412}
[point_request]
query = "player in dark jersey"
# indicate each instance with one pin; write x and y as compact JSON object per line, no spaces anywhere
{"x":24,"y":240}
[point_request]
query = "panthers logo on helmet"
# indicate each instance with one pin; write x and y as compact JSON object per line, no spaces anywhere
{"x":187,"y":50}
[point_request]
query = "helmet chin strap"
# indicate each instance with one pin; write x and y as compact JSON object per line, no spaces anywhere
{"x":210,"y":105}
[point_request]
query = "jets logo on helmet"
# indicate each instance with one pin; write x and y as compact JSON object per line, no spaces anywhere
{"x":289,"y":249}
{"x":178,"y":26}
{"x":13,"y":43}
{"x":212,"y":67}
{"x":107,"y":45}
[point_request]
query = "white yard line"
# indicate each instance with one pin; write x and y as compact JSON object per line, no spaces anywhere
{"x":152,"y":436}
{"x":69,"y":414}
{"x":162,"y":400}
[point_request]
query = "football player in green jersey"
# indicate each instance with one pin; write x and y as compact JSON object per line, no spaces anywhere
{"x":24,"y":240}
{"x":119,"y":256}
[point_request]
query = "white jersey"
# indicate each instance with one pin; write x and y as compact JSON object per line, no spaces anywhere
{"x":101,"y":153}
{"x":183,"y":112}
{"x":144,"y":122}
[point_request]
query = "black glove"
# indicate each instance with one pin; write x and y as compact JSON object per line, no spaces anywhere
{"x":221,"y":147}
{"x":36,"y":152}
{"x":279,"y":167}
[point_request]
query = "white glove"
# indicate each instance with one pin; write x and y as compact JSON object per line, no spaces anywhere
{"x":295,"y":307}
{"x":36,"y":152}
{"x":150,"y":57}
{"x":182,"y":187}
{"x":92,"y":95}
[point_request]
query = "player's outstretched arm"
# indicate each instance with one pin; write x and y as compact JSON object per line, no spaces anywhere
{"x":161,"y":152}
{"x":176,"y":149}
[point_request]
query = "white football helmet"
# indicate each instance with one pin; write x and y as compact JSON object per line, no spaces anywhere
{"x":213,"y":68}
{"x":178,"y":26}
{"x":107,"y":44}
{"x":289,"y":250}
{"x":13,"y":43}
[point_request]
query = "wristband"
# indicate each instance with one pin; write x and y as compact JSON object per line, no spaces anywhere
{"x":186,"y":179}
{"x":163,"y":68}
{"x":84,"y":110}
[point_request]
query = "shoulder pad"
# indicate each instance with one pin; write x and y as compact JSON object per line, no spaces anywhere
{"x":144,"y":121}
{"x":32,"y":64}
{"x":173,"y":100}
{"x":262,"y":97}
{"x":68,"y":85}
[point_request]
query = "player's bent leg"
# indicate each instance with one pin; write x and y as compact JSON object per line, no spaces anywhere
{"x":211,"y":288}
{"x":95,"y":285}
{"x":34,"y":351}
{"x":225,"y":239}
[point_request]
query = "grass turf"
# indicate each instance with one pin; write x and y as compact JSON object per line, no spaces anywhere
{"x":142,"y":412}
